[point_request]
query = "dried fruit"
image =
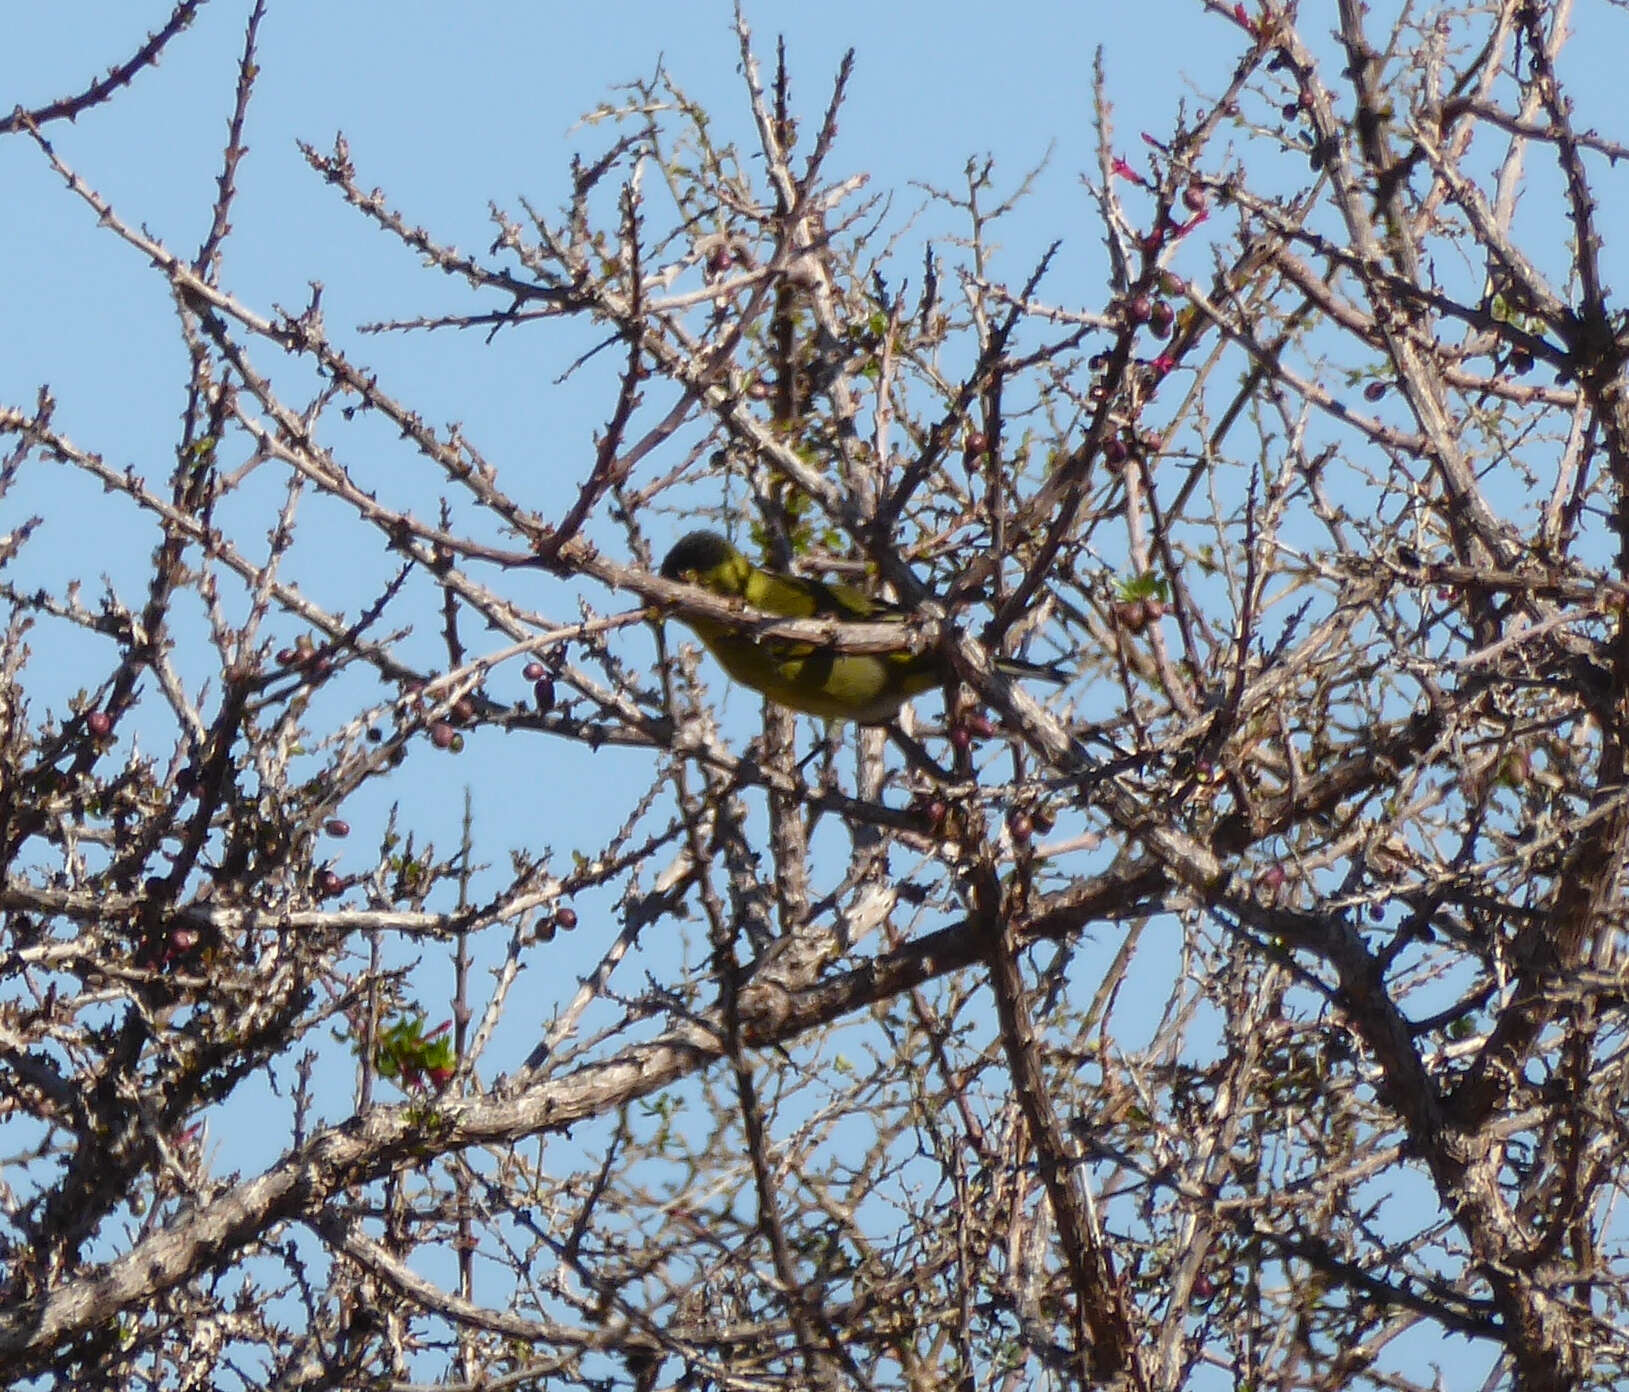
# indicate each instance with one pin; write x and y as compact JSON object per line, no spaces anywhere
{"x":1132,"y":615}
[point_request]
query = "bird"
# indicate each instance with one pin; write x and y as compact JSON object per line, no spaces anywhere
{"x":867,"y":688}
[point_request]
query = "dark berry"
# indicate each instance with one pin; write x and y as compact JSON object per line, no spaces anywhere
{"x":337,"y":827}
{"x":442,"y":735}
{"x":566,"y":917}
{"x":1374,"y":391}
{"x":99,"y":723}
{"x":1195,"y":199}
{"x":533,"y":670}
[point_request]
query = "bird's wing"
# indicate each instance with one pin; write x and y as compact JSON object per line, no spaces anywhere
{"x":797,"y":597}
{"x":845,"y":602}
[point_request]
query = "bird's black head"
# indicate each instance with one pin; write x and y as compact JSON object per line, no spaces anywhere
{"x":697,"y":554}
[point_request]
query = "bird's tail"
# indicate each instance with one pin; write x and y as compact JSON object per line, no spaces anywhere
{"x":1017,"y":667}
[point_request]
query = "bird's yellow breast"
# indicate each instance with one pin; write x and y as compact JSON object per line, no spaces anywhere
{"x":863,"y":687}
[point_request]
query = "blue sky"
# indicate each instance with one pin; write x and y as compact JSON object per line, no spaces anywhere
{"x":448,"y":116}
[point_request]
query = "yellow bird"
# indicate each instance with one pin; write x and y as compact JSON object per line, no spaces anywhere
{"x":867,"y":688}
